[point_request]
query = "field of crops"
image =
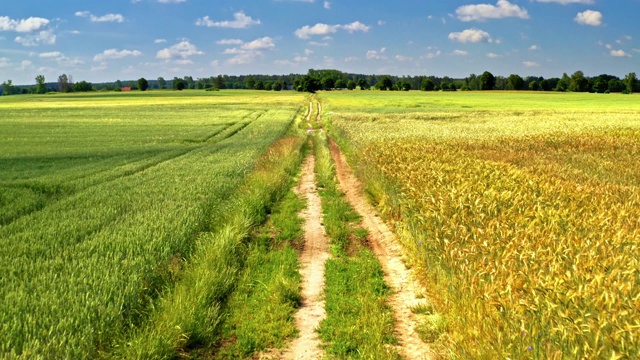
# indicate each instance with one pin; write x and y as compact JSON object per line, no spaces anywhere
{"x":102,"y":196}
{"x":520,"y":210}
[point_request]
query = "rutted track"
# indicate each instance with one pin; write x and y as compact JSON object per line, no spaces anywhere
{"x":389,"y":253}
{"x":313,"y":258}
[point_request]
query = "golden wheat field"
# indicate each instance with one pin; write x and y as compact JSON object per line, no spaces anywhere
{"x":520,"y":211}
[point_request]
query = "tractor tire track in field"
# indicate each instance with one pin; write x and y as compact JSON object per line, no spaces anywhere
{"x":312,"y":259}
{"x":386,"y":248}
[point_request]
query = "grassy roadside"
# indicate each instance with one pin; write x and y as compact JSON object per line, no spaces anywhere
{"x":268,"y":291}
{"x":359,"y":324}
{"x":191,"y":316}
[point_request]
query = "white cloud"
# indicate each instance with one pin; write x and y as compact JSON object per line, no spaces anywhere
{"x":530,"y":64}
{"x":534,"y":47}
{"x":115,"y":54}
{"x":259,"y":44}
{"x":471,"y":35}
{"x":308,"y":52}
{"x":619,"y":53}
{"x":300,"y":59}
{"x":171,"y":1}
{"x":460,"y":53}
{"x":230,"y":42}
{"x":60,"y":58}
{"x":589,"y":17}
{"x":481,"y":12}
{"x":51,"y":55}
{"x":318,"y":29}
{"x":636,"y":50}
{"x":432,"y":55}
{"x":248,"y":51}
{"x":159,"y":41}
{"x":327,"y":5}
{"x":4,"y":62}
{"x":24,"y":65}
{"x":351,"y":59}
{"x":241,"y":21}
{"x":376,"y":55}
{"x":493,"y":56}
{"x":23,"y":26}
{"x":381,"y":22}
{"x":181,"y":50}
{"x":567,"y":2}
{"x":36,"y":30}
{"x":403,"y":58}
{"x":307,"y":31}
{"x":105,"y":18}
{"x":43,"y":37}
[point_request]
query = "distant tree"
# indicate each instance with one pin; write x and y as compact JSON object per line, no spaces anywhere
{"x":82,"y":86}
{"x":631,"y":83}
{"x":406,"y":86}
{"x":427,"y":85}
{"x":515,"y":82}
{"x":64,"y":83}
{"x":534,"y":86}
{"x":600,"y":85}
{"x":251,"y":83}
{"x":563,"y":83}
{"x":118,"y":84}
{"x":340,"y":84}
{"x":487,"y":81}
{"x":143,"y":84}
{"x":162,"y":83}
{"x":615,"y":86}
{"x":328,"y":83}
{"x":41,"y":86}
{"x":179,"y":84}
{"x":453,"y":87}
{"x":8,"y":88}
{"x":220,"y":83}
{"x":189,"y":83}
{"x":385,"y":83}
{"x":351,"y":85}
{"x":259,"y":85}
{"x":363,"y":84}
{"x":309,"y":83}
{"x":579,"y":83}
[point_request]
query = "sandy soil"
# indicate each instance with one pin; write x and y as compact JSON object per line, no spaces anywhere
{"x":388,"y":251}
{"x":312,"y":260}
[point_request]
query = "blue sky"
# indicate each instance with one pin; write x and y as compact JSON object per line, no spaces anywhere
{"x":127,"y":39}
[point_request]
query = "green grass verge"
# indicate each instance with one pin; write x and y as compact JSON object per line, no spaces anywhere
{"x":268,"y":292}
{"x":359,"y":324}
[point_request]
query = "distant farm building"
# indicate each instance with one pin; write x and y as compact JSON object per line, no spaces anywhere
{"x":126,"y":88}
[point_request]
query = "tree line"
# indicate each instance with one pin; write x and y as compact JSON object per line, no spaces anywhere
{"x":316,"y":80}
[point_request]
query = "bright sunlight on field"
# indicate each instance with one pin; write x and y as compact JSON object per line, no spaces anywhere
{"x":520,"y":207}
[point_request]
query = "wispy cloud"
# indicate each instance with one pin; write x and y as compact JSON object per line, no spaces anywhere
{"x":115,"y":54}
{"x":307,"y":31}
{"x":104,"y":18}
{"x":241,"y":21}
{"x":567,"y":2}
